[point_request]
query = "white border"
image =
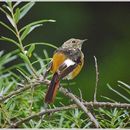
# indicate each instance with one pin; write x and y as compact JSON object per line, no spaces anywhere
{"x":69,"y":0}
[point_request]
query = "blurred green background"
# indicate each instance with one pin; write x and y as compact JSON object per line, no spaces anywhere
{"x":105,"y":25}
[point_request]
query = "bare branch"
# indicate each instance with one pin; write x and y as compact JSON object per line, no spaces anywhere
{"x":16,"y":92}
{"x":39,"y":114}
{"x":87,"y":104}
{"x":97,"y":78}
{"x":28,"y":86}
{"x":80,"y":104}
{"x":107,"y":105}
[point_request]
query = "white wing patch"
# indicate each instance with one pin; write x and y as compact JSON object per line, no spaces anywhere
{"x":69,"y":62}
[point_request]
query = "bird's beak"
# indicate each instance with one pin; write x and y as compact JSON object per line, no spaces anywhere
{"x":82,"y":41}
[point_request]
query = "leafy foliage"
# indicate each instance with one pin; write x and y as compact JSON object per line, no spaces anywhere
{"x":29,"y":102}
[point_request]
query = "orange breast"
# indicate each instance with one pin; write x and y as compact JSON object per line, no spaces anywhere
{"x":77,"y":70}
{"x":58,"y":59}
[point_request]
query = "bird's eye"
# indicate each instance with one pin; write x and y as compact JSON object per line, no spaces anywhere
{"x":73,"y":41}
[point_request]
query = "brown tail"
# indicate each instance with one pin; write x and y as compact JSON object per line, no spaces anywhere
{"x":51,"y":93}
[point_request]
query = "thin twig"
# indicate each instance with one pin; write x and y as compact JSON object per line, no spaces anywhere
{"x":39,"y":114}
{"x":73,"y":106}
{"x":107,"y":105}
{"x":89,"y":104}
{"x":80,"y":104}
{"x":97,"y":78}
{"x":18,"y":91}
{"x":46,"y":82}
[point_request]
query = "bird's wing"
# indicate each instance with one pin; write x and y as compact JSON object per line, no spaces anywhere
{"x":66,"y":68}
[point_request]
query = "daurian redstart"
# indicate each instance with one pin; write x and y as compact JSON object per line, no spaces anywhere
{"x":66,"y":63}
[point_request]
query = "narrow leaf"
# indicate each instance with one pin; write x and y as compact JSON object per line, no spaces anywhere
{"x":28,"y":30}
{"x":25,"y":9}
{"x":8,"y":17}
{"x":107,"y":98}
{"x":30,"y":50}
{"x":35,"y":23}
{"x":23,"y":73}
{"x":126,"y":85}
{"x":7,"y":7}
{"x":42,"y":43}
{"x":12,"y":67}
{"x":9,"y":3}
{"x":118,"y":93}
{"x":7,"y":58}
{"x":29,"y":69}
{"x":24,"y":57}
{"x":16,"y":4}
{"x":46,"y":55}
{"x":9,"y":40}
{"x":10,"y":59}
{"x":10,"y":20}
{"x":17,"y":15}
{"x":4,"y":11}
{"x":125,"y":89}
{"x":8,"y":87}
{"x":5,"y":76}
{"x":1,"y":53}
{"x":25,"y":33}
{"x":6,"y":26}
{"x":34,"y":26}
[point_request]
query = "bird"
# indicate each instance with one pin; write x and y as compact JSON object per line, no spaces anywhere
{"x":66,"y":63}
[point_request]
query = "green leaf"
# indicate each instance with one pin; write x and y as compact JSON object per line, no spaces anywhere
{"x":24,"y":57}
{"x":8,"y":17}
{"x":17,"y":15}
{"x":1,"y":53}
{"x":16,"y":4}
{"x":9,"y":40}
{"x":125,"y":89}
{"x":118,"y":93}
{"x":35,"y":26}
{"x":10,"y":20}
{"x":36,"y":23}
{"x":107,"y":98}
{"x":7,"y":58}
{"x":28,"y":30}
{"x":12,"y":67}
{"x":6,"y":26}
{"x":30,"y":50}
{"x":126,"y":85}
{"x":25,"y":9}
{"x":9,"y":3}
{"x":105,"y":112}
{"x":25,"y":33}
{"x":3,"y":11}
{"x":11,"y":59}
{"x":7,"y":7}
{"x":22,"y":72}
{"x":42,"y":43}
{"x":46,"y":54}
{"x":41,"y":60}
{"x":8,"y":88}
